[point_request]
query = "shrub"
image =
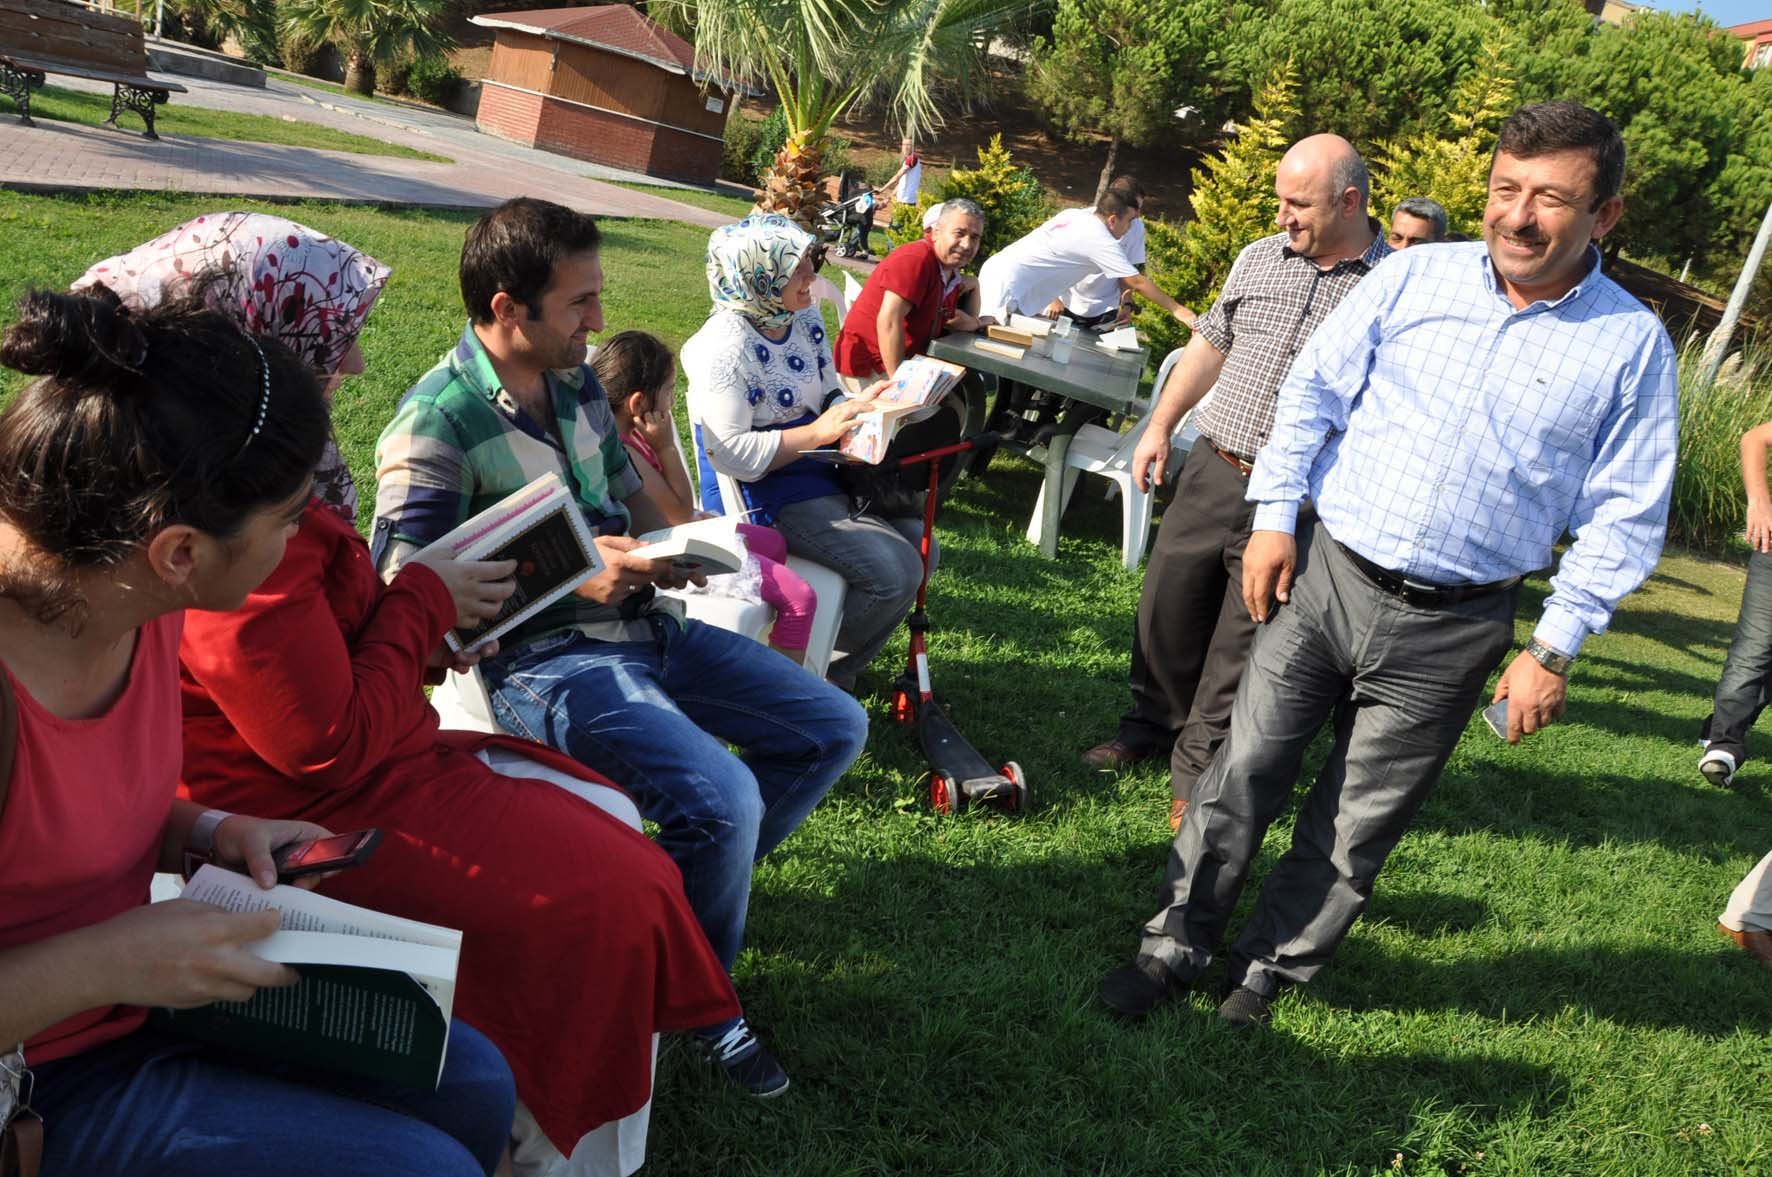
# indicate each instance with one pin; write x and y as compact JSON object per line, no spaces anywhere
{"x":770,"y":136}
{"x":1014,"y":204}
{"x":396,"y":79}
{"x":433,"y":80}
{"x":742,"y":137}
{"x":1709,"y":503}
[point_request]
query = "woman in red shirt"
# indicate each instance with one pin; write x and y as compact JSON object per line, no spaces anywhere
{"x":308,"y":702}
{"x":159,"y":464}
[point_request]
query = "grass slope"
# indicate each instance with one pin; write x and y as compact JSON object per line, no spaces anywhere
{"x":735,"y":206}
{"x":53,"y":102}
{"x":1537,"y":988}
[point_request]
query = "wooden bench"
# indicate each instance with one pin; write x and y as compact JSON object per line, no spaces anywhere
{"x":39,"y":37}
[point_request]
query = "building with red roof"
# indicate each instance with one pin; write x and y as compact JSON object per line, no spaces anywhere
{"x":604,"y":84}
{"x":1757,"y":34}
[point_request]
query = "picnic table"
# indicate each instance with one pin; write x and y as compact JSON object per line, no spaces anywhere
{"x":1095,"y":378}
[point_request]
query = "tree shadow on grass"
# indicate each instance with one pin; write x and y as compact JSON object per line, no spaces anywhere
{"x":941,"y":1018}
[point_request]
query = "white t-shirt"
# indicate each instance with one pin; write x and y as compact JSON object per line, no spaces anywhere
{"x":910,"y":185}
{"x":1098,"y":294}
{"x":1040,"y":267}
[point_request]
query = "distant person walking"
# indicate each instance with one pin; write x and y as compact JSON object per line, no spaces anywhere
{"x":908,"y":177}
{"x":1747,"y":672}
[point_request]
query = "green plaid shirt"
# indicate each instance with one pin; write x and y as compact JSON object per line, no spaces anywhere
{"x":459,"y":443}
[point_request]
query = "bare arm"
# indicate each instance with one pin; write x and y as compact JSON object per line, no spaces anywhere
{"x":1139,"y":284}
{"x":1190,"y":379}
{"x":1756,"y":443}
{"x":889,"y":324}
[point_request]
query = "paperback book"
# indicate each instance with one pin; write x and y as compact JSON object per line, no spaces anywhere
{"x":375,"y":994}
{"x":916,"y":388}
{"x":706,"y":547}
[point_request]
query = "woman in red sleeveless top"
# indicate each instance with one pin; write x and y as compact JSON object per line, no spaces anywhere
{"x":160,"y":463}
{"x":308,"y":702}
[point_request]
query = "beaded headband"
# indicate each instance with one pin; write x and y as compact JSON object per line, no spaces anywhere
{"x":264,"y":400}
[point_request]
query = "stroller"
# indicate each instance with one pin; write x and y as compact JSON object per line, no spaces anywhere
{"x":847,"y":221}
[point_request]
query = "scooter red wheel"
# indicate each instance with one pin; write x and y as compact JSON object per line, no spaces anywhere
{"x":944,"y":794}
{"x":1022,"y":800}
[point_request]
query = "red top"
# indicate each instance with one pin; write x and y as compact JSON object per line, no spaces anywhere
{"x":85,"y":816}
{"x":577,"y":942}
{"x":912,"y":273}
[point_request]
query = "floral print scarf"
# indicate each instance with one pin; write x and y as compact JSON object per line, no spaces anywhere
{"x":308,"y":291}
{"x":749,"y":264}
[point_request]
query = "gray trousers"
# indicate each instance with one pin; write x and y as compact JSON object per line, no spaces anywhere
{"x":879,"y":559}
{"x":1401,"y":683}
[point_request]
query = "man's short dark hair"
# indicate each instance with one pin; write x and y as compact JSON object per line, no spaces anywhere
{"x":1546,"y":127}
{"x":515,"y":247}
{"x":1114,"y":204}
{"x":1427,"y":209}
{"x":1127,"y":185}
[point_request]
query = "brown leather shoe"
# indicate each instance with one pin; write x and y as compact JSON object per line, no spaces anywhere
{"x":1755,"y":941}
{"x":1177,"y":811}
{"x":1115,"y":754}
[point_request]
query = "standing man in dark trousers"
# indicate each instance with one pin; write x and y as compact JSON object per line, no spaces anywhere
{"x":1459,"y":412}
{"x":1193,"y":632}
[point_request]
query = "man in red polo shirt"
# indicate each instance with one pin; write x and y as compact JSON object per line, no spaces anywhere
{"x":911,"y":297}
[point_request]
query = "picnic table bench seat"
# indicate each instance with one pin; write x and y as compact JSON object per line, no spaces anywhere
{"x":39,"y":37}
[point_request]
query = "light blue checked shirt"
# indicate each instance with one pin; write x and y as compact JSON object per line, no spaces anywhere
{"x":1453,"y":439}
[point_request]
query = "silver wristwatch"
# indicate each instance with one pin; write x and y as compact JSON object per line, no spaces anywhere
{"x":200,"y":842}
{"x":1554,"y":661}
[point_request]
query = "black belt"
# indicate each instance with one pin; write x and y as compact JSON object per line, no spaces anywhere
{"x":1419,"y":592}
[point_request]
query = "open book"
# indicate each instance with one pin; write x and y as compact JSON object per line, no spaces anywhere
{"x":375,"y":993}
{"x":706,"y":546}
{"x":916,"y":388}
{"x":541,"y":528}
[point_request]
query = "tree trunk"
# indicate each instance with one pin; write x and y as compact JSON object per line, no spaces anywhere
{"x":791,"y":187}
{"x":359,"y":73}
{"x":1107,"y":169}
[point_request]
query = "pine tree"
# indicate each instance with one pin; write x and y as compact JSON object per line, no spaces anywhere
{"x":1452,"y":168}
{"x":1233,"y":203}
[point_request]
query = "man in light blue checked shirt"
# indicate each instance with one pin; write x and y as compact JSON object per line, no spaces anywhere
{"x":1463,"y":408}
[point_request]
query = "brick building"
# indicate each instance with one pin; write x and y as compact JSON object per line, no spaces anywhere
{"x":603,"y":84}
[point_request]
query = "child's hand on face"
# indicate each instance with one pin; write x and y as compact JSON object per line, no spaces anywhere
{"x":658,"y":428}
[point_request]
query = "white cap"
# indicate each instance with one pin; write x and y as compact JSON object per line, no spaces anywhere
{"x":932,"y":216}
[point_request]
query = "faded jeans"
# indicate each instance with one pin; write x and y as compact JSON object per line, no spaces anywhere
{"x":1747,"y":672}
{"x":656,"y":717}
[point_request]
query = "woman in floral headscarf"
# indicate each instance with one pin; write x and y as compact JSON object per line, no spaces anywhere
{"x":578,"y":942}
{"x":763,"y":392}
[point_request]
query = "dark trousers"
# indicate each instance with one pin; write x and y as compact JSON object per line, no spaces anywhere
{"x":1193,"y":632}
{"x":1747,"y":672}
{"x":1401,"y":683}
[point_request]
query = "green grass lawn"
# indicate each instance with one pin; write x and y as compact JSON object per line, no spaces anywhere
{"x":176,"y":118}
{"x":1537,"y":988}
{"x":719,"y":202}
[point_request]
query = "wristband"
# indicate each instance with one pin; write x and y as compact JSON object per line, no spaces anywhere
{"x":200,"y":841}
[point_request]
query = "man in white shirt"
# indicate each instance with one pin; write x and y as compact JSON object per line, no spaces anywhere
{"x":1098,"y":300}
{"x":1025,"y":277}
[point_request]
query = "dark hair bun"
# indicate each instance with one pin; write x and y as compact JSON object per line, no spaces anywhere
{"x":82,"y":340}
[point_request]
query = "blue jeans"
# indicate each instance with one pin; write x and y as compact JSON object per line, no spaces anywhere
{"x":1747,"y":673}
{"x":150,"y":1104}
{"x":656,"y":717}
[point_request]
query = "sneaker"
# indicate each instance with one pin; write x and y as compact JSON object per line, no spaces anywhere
{"x":1132,"y":991}
{"x":747,"y":1062}
{"x":1718,"y":767}
{"x":1245,"y":1007}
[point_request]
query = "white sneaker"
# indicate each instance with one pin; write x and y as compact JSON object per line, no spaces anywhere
{"x":1718,"y":767}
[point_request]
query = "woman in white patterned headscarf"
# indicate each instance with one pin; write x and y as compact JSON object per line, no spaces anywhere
{"x":763,"y":393}
{"x":310,"y":291}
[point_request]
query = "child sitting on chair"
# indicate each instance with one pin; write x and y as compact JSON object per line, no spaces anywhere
{"x":639,"y":375}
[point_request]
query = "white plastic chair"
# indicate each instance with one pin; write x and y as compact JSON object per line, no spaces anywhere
{"x":1096,"y":450}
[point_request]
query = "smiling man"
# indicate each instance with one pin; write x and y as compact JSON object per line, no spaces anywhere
{"x":1463,"y":408}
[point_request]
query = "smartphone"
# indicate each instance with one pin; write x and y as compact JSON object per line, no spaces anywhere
{"x":325,"y":854}
{"x":1495,"y":715}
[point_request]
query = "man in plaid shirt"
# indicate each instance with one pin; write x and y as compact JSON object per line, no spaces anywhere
{"x":610,"y":675}
{"x":1193,"y":633}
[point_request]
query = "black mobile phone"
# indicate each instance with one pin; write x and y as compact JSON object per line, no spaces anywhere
{"x":325,"y":854}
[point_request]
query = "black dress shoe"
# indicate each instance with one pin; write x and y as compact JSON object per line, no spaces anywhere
{"x":1245,"y":1007}
{"x":1133,"y":992}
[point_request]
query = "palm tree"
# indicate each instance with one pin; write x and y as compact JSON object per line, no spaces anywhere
{"x":370,"y":33}
{"x":822,"y":56}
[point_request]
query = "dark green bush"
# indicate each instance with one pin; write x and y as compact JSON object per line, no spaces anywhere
{"x":433,"y":80}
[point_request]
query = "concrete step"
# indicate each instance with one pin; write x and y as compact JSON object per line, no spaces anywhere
{"x":173,"y":57}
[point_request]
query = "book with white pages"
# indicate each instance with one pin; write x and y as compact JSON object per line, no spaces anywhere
{"x":542,"y":529}
{"x":1029,"y":325}
{"x":912,"y":395}
{"x":704,"y":547}
{"x":375,"y":996}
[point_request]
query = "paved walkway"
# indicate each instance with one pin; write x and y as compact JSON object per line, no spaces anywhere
{"x":485,"y":171}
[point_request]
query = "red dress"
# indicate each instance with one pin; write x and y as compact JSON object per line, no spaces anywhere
{"x":85,"y":814}
{"x":577,"y":940}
